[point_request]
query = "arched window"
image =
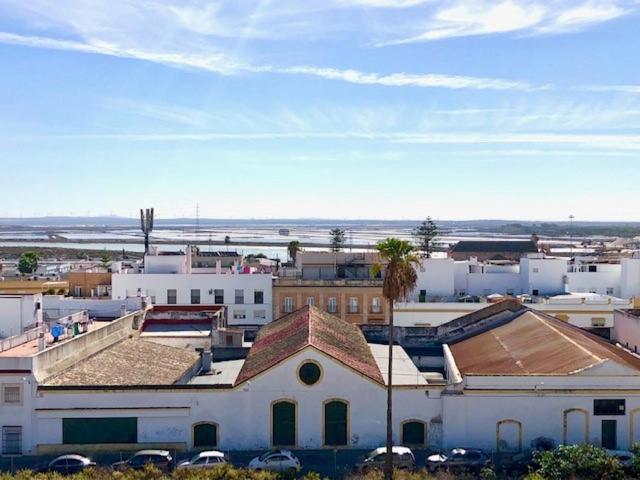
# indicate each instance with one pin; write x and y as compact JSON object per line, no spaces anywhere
{"x":414,"y":433}
{"x":283,"y":423}
{"x":205,"y":435}
{"x":336,"y":423}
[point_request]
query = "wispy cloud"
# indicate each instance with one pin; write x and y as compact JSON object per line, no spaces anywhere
{"x":223,"y":64}
{"x":612,"y":88}
{"x":482,"y":17}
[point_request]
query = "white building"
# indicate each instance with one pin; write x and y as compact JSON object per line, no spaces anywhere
{"x":311,"y":380}
{"x":535,"y":274}
{"x":19,"y":312}
{"x":171,"y":279}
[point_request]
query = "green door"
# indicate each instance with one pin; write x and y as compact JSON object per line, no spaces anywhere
{"x":609,"y":434}
{"x":283,"y":424}
{"x":335,"y":424}
{"x":205,"y":435}
{"x":413,"y":434}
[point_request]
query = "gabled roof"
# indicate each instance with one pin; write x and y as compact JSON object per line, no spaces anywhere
{"x":533,"y":343}
{"x":514,"y":246}
{"x":310,"y":327}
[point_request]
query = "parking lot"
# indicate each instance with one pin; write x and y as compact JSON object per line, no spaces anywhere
{"x":328,"y":463}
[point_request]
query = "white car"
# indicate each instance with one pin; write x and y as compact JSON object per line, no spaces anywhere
{"x":276,"y":461}
{"x":204,"y":460}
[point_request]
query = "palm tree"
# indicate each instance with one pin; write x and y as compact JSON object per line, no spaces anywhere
{"x":293,"y":248}
{"x":399,"y":281}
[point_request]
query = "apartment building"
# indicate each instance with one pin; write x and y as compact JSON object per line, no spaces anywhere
{"x":172,"y":279}
{"x":340,"y":283}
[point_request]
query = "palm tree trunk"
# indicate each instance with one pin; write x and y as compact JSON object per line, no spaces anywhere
{"x":388,"y":466}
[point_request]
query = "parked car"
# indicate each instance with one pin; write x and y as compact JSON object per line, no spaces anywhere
{"x":68,"y":464}
{"x":402,"y":458}
{"x":276,"y":461}
{"x":160,"y":459}
{"x":459,"y":460}
{"x":202,"y":460}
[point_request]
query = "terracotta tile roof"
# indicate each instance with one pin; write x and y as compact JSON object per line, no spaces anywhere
{"x":536,"y":344}
{"x":309,"y":326}
{"x":127,"y":363}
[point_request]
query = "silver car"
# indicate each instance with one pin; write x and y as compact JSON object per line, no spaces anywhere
{"x":202,"y":460}
{"x":276,"y":461}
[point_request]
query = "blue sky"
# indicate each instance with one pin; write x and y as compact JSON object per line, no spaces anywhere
{"x":516,"y":109}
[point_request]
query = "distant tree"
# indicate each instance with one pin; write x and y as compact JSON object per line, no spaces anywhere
{"x":28,"y":263}
{"x":579,"y":461}
{"x":105,"y":259}
{"x":292,"y":249}
{"x":337,"y":239}
{"x":424,"y":235}
{"x":227,"y":239}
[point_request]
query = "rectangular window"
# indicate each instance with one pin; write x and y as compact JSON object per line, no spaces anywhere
{"x":609,"y":407}
{"x":375,"y":305}
{"x":593,"y":268}
{"x":598,"y":321}
{"x":310,"y":301}
{"x":353,"y":305}
{"x":288,"y":304}
{"x":239,"y":314}
{"x":260,"y":314}
{"x":11,"y":394}
{"x":219,"y":296}
{"x":258,"y":297}
{"x":332,"y":305}
{"x":172,"y":296}
{"x":92,"y":431}
{"x":11,"y":440}
{"x":195,"y":296}
{"x":610,"y":290}
{"x":239,"y":299}
{"x":536,"y":270}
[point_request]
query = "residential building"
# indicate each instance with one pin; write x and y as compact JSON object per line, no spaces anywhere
{"x":311,"y":380}
{"x":94,"y":282}
{"x":626,"y":329}
{"x":340,"y":283}
{"x":171,"y":279}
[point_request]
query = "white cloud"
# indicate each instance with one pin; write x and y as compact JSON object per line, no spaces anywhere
{"x":223,"y":64}
{"x":612,"y":88}
{"x":482,"y":17}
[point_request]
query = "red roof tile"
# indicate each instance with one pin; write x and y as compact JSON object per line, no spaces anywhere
{"x":306,"y":327}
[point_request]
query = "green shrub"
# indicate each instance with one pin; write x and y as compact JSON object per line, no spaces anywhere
{"x":579,"y":461}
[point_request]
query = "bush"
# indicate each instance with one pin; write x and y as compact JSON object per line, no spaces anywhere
{"x":579,"y":461}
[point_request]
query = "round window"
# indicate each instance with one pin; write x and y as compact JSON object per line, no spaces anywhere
{"x":309,"y":373}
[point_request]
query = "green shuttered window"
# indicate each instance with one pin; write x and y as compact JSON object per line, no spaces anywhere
{"x":90,"y":431}
{"x":335,"y":423}
{"x":205,"y":435}
{"x":413,"y":433}
{"x":284,"y":424}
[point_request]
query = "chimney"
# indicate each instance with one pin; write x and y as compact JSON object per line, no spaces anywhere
{"x":207,"y":357}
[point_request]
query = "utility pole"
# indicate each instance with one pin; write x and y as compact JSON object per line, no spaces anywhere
{"x":571,"y":217}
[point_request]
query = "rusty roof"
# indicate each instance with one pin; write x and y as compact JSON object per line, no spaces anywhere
{"x":536,"y":344}
{"x":310,"y":326}
{"x":128,"y":363}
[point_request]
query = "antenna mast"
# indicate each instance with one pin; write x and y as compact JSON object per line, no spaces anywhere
{"x":146,"y":224}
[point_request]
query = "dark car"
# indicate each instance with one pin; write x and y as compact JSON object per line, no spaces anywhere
{"x":402,"y":458}
{"x":68,"y":464}
{"x":161,"y":459}
{"x":459,"y":460}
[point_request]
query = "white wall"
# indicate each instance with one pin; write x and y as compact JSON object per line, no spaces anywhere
{"x":156,"y":285}
{"x":243,"y":413}
{"x":607,"y":276}
{"x":57,"y":306}
{"x":436,"y":277}
{"x":630,"y":277}
{"x":18,"y":312}
{"x":546,"y":275}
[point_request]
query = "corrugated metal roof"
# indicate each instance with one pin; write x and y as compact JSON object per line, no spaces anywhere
{"x":309,"y":326}
{"x":536,"y":344}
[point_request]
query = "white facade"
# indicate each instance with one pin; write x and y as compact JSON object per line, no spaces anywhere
{"x":535,"y":275}
{"x":18,"y":312}
{"x":240,"y":292}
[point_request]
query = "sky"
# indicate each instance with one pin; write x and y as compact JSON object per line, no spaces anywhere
{"x":358,"y":109}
